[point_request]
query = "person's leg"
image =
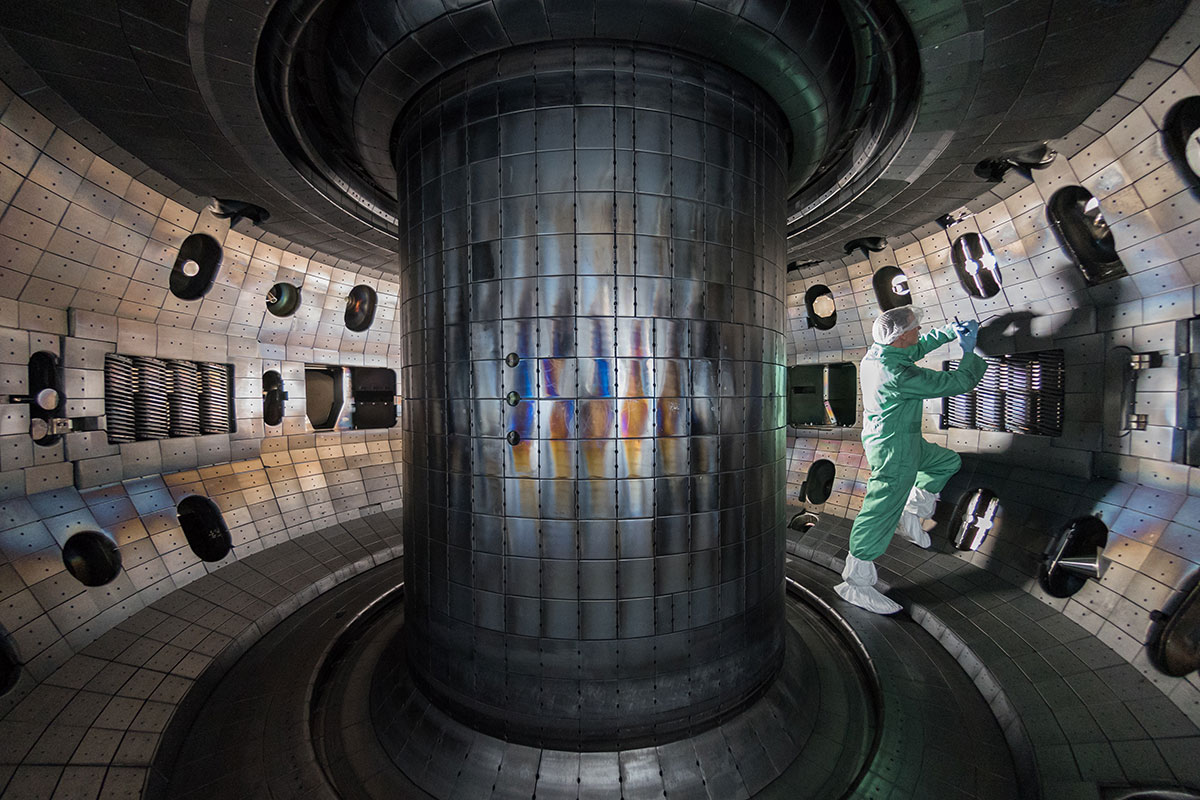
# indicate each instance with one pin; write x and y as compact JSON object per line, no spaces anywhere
{"x":869,"y":536}
{"x":876,"y":520}
{"x":937,"y":466}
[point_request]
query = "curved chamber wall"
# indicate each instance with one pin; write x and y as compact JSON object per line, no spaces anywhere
{"x":600,"y":231}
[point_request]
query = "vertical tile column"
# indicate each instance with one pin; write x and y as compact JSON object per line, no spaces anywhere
{"x":592,"y":266}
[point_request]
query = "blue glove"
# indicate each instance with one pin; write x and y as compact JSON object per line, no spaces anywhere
{"x":967,"y":332}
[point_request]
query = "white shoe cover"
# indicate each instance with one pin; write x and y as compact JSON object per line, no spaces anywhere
{"x":910,"y":528}
{"x":921,"y":503}
{"x":859,"y":587}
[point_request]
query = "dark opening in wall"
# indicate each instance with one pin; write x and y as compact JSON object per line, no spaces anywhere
{"x":323,"y":395}
{"x":1076,"y":217}
{"x":891,"y":288}
{"x":283,"y":299}
{"x":195,"y":267}
{"x":45,"y":397}
{"x":273,"y":397}
{"x":151,"y":398}
{"x":374,"y":390}
{"x":1072,"y":557}
{"x":973,"y":518}
{"x":360,"y":308}
{"x":818,"y":483}
{"x":822,"y":311}
{"x":976,"y":265}
{"x":1021,"y":393}
{"x":92,"y":558}
{"x":1181,"y":137}
{"x":10,"y":664}
{"x":824,"y":395}
{"x":204,"y":528}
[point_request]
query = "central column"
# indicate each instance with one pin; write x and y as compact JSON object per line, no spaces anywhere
{"x":592,"y":264}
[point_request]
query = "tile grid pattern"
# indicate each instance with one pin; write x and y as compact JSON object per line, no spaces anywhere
{"x":1072,"y":708}
{"x":1150,"y":504}
{"x":94,"y":726}
{"x":85,"y":252}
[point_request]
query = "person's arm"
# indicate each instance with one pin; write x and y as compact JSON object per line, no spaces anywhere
{"x":933,"y":340}
{"x":920,"y":383}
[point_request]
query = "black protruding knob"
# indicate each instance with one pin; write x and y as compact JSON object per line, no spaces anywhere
{"x":512,"y":398}
{"x":512,"y":359}
{"x":513,"y":438}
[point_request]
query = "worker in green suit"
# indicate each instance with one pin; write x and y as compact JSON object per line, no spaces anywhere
{"x":907,"y":472}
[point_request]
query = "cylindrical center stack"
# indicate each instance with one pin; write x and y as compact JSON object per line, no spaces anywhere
{"x":592,"y":262}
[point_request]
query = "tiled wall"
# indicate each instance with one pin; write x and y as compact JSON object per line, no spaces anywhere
{"x":85,"y":254}
{"x":1150,"y":503}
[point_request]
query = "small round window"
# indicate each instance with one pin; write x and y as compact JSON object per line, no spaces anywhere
{"x":92,"y":558}
{"x":204,"y":528}
{"x":891,"y":288}
{"x":822,"y":311}
{"x":976,"y":265}
{"x":195,"y":267}
{"x":283,"y":299}
{"x":973,"y":519}
{"x":360,"y":308}
{"x":818,"y":484}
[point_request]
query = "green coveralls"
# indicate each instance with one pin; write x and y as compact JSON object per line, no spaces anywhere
{"x":893,"y":388}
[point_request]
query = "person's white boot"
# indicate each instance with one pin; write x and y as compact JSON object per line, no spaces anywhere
{"x":917,"y":511}
{"x":859,"y":587}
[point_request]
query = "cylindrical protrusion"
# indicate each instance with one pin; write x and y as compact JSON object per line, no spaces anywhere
{"x":599,"y":231}
{"x":1088,"y":566}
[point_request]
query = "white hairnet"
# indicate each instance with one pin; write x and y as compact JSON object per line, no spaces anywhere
{"x":894,"y":323}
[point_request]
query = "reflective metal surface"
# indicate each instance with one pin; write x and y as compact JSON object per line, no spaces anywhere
{"x":602,"y":561}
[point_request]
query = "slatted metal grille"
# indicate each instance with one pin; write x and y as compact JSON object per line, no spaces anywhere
{"x":151,"y":398}
{"x":1020,"y":393}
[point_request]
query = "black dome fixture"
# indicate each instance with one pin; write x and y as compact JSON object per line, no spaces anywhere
{"x":237,"y":210}
{"x":818,"y":484}
{"x":891,"y":288}
{"x":1175,"y":641}
{"x":974,"y":517}
{"x":204,"y":528}
{"x":822,"y":310}
{"x":273,"y":397}
{"x":976,"y":265}
{"x":866,"y":244}
{"x":1073,"y":556}
{"x":360,"y":308}
{"x":283,"y":299}
{"x":195,"y":267}
{"x":92,"y":558}
{"x":1181,"y":138}
{"x":1076,"y":217}
{"x":1023,"y":160}
{"x":10,"y":663}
